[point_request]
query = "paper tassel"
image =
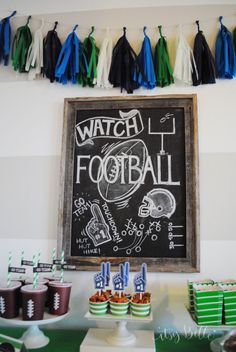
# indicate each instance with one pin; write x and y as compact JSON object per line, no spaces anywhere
{"x":83,"y":67}
{"x":234,"y":39}
{"x":204,"y":60}
{"x":5,"y":38}
{"x":164,"y":71}
{"x":144,"y":73}
{"x":224,"y":53}
{"x":122,"y":65}
{"x":89,"y":59}
{"x":20,"y":47}
{"x":67,"y":67}
{"x":104,"y":62}
{"x":51,"y":48}
{"x":34,"y":62}
{"x":184,"y":62}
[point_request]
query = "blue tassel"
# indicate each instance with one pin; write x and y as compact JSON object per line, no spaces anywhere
{"x":5,"y":38}
{"x":225,"y":55}
{"x":144,"y":73}
{"x":67,"y":67}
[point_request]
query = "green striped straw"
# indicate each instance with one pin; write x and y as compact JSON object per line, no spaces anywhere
{"x":53,"y":258}
{"x":62,"y":269}
{"x":22,"y":258}
{"x":35,"y":273}
{"x":38,"y":260}
{"x":9,"y":273}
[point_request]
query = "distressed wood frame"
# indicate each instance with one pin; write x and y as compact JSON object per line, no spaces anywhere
{"x":189,"y":103}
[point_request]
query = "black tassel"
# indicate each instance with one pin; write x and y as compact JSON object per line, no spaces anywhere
{"x":51,"y":51}
{"x":204,"y":60}
{"x":234,"y":39}
{"x":123,"y":65}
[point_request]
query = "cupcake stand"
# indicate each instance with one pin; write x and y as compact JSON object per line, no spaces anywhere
{"x":115,"y":340}
{"x":34,"y":337}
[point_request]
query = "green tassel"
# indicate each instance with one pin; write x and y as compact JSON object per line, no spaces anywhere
{"x":88,"y":62}
{"x":20,"y":47}
{"x":163,"y":69}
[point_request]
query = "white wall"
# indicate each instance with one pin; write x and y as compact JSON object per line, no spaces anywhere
{"x":30,"y":144}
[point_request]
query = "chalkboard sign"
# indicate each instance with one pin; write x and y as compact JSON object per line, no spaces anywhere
{"x":130,"y":183}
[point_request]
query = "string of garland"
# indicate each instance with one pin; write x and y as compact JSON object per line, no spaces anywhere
{"x":82,"y":62}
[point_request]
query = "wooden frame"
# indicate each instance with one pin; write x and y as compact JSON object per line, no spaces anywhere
{"x":189,"y":263}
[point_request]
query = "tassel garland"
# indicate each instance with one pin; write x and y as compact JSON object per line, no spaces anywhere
{"x":144,"y":73}
{"x":83,"y":63}
{"x":67,"y":67}
{"x":5,"y":39}
{"x":225,"y":55}
{"x":164,"y":71}
{"x":51,"y":49}
{"x":20,"y":47}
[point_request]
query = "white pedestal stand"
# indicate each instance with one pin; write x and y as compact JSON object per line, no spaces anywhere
{"x":217,"y":345}
{"x":114,"y":340}
{"x":34,"y":337}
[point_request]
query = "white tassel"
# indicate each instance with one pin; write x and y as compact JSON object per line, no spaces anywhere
{"x":34,"y":63}
{"x":104,"y":62}
{"x":184,"y":60}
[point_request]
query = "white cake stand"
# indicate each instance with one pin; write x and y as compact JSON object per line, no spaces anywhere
{"x":217,"y":345}
{"x":120,"y":338}
{"x":34,"y":337}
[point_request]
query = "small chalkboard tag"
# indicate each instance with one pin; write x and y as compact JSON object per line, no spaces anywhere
{"x":27,"y":263}
{"x":41,"y":270}
{"x":119,"y":279}
{"x":99,"y":281}
{"x":13,"y":269}
{"x":45,"y":265}
{"x":58,"y":262}
{"x":68,"y":267}
{"x":140,"y":279}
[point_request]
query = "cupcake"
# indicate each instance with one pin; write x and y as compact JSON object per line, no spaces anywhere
{"x":98,"y":303}
{"x":119,"y":304}
{"x":141,"y":304}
